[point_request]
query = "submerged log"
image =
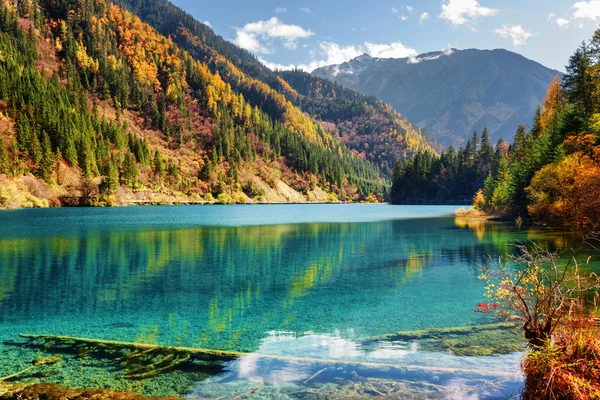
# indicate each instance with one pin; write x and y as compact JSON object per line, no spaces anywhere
{"x":38,"y":362}
{"x":115,"y":345}
{"x":219,"y":355}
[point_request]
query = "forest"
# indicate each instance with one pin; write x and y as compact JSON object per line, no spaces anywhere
{"x":551,"y":171}
{"x":369,"y":127}
{"x":97,"y":103}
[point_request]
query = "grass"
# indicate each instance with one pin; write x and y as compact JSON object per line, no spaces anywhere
{"x":568,"y":367}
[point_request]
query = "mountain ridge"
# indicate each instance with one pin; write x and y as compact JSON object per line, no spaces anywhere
{"x":453,"y":92}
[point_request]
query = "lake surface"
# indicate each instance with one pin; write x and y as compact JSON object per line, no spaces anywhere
{"x":296,"y":281}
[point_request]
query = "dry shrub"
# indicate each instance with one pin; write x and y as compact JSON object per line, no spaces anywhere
{"x":15,"y":195}
{"x":569,"y":366}
{"x":470,"y":213}
{"x":36,"y":187}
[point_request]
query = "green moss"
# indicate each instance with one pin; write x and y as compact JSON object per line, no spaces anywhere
{"x":479,"y":340}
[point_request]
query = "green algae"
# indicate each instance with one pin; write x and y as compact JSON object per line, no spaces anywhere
{"x":479,"y":340}
{"x":85,"y":371}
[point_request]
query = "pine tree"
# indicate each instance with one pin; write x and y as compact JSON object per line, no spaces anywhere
{"x":110,"y":181}
{"x":489,"y":186}
{"x":158,"y":165}
{"x":46,"y":164}
{"x":519,"y":146}
{"x":486,"y":151}
{"x":4,"y":163}
{"x":578,"y":82}
{"x":129,"y":171}
{"x":536,"y":129}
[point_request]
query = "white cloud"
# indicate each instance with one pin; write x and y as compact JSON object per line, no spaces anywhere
{"x":424,"y":17}
{"x":417,"y":60}
{"x":563,"y":22}
{"x":396,"y":10}
{"x":392,"y":50}
{"x":207,"y":24}
{"x":332,"y":53}
{"x":403,"y":17}
{"x":250,"y":42}
{"x":280,"y":10}
{"x":252,"y":35}
{"x":460,"y":12}
{"x":306,"y":10}
{"x":516,"y":33}
{"x":587,"y":9}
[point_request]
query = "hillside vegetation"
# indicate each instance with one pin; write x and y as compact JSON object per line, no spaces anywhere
{"x":366,"y":125}
{"x":99,"y":107}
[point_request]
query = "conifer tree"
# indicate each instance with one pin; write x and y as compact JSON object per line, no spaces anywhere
{"x":486,"y":151}
{"x":578,"y":82}
{"x":4,"y":162}
{"x":110,"y":181}
{"x":46,"y":164}
{"x":158,"y":165}
{"x":129,"y":172}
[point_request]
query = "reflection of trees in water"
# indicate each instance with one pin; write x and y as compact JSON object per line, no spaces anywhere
{"x":217,"y":274}
{"x":224,"y":287}
{"x":500,"y":239}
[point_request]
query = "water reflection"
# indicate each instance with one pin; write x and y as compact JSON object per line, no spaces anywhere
{"x":224,"y":287}
{"x":322,"y":365}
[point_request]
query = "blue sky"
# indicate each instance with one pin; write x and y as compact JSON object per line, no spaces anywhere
{"x":313,"y":33}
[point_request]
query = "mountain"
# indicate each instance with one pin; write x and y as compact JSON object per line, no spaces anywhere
{"x":452,"y":93}
{"x":97,"y":106}
{"x":369,"y":127}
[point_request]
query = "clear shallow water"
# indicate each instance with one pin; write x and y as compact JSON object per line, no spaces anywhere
{"x":295,"y":280}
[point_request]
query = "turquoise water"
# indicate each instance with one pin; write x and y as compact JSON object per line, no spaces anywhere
{"x":300,"y":280}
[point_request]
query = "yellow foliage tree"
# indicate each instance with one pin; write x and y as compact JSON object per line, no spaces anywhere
{"x":568,"y":191}
{"x":552,"y":102}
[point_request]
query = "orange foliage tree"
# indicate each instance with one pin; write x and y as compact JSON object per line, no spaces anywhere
{"x":552,"y":102}
{"x":567,"y":191}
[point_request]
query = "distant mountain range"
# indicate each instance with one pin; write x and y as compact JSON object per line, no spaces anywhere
{"x":452,"y":93}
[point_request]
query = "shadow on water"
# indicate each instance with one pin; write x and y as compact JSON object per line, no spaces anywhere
{"x":303,"y":289}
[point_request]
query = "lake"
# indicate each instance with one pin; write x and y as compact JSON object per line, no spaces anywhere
{"x":306,"y":291}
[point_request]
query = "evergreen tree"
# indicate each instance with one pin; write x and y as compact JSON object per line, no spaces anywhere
{"x":578,"y":82}
{"x":486,"y":151}
{"x":536,"y":129}
{"x":158,"y":165}
{"x":110,"y":181}
{"x":129,"y":172}
{"x":489,"y":186}
{"x":46,"y":164}
{"x":4,"y":162}
{"x":519,"y":146}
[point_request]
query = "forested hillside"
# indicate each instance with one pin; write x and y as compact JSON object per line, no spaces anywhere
{"x":366,"y":125}
{"x":551,"y":171}
{"x":363,"y":123}
{"x":100,"y":108}
{"x":451,"y":178}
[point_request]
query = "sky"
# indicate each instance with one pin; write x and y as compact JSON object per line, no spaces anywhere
{"x":311,"y":33}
